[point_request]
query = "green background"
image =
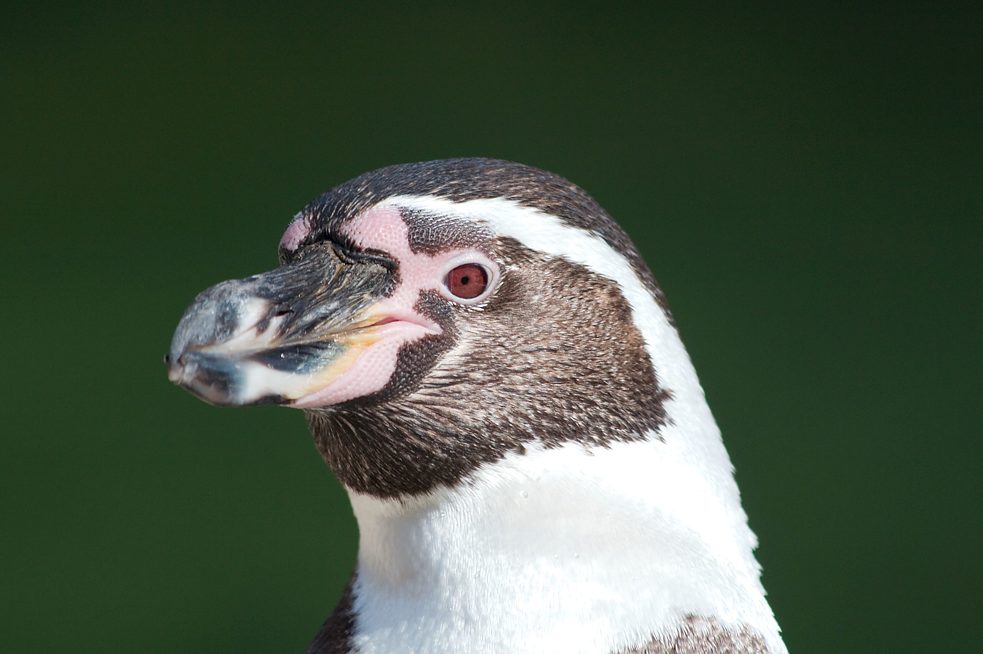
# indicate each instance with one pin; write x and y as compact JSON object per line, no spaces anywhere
{"x":807,"y":185}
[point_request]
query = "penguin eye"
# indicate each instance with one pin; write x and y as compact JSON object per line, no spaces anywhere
{"x":467,"y":281}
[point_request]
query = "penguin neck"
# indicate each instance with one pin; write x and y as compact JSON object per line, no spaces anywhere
{"x":630,"y":541}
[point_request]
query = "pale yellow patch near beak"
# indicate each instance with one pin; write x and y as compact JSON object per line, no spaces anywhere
{"x":355,"y":344}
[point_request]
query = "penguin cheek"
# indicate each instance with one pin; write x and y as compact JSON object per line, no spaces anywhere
{"x":371,"y":355}
{"x":393,"y":358}
{"x":366,"y":371}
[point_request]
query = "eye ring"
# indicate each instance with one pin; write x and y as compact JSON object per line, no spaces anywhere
{"x":469,"y":279}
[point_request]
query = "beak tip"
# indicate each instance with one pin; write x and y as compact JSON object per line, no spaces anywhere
{"x":182,"y":369}
{"x":173,"y":370}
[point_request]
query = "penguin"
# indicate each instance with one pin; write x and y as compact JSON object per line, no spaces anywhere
{"x":488,"y":366}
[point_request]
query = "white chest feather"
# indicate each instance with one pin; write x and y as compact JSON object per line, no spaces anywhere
{"x":560,"y":551}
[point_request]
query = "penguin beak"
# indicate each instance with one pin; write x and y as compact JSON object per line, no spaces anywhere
{"x":285,"y":335}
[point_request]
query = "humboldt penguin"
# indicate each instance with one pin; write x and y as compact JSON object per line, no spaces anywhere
{"x":487,"y":365}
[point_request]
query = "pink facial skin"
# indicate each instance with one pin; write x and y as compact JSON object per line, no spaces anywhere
{"x":382,"y":228}
{"x":296,"y":232}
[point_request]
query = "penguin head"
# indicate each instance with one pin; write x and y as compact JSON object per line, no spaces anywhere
{"x":429,"y":318}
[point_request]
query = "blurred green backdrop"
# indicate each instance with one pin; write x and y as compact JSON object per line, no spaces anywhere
{"x":807,"y":184}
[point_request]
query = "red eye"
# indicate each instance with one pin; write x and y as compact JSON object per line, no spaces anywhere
{"x":467,"y":281}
